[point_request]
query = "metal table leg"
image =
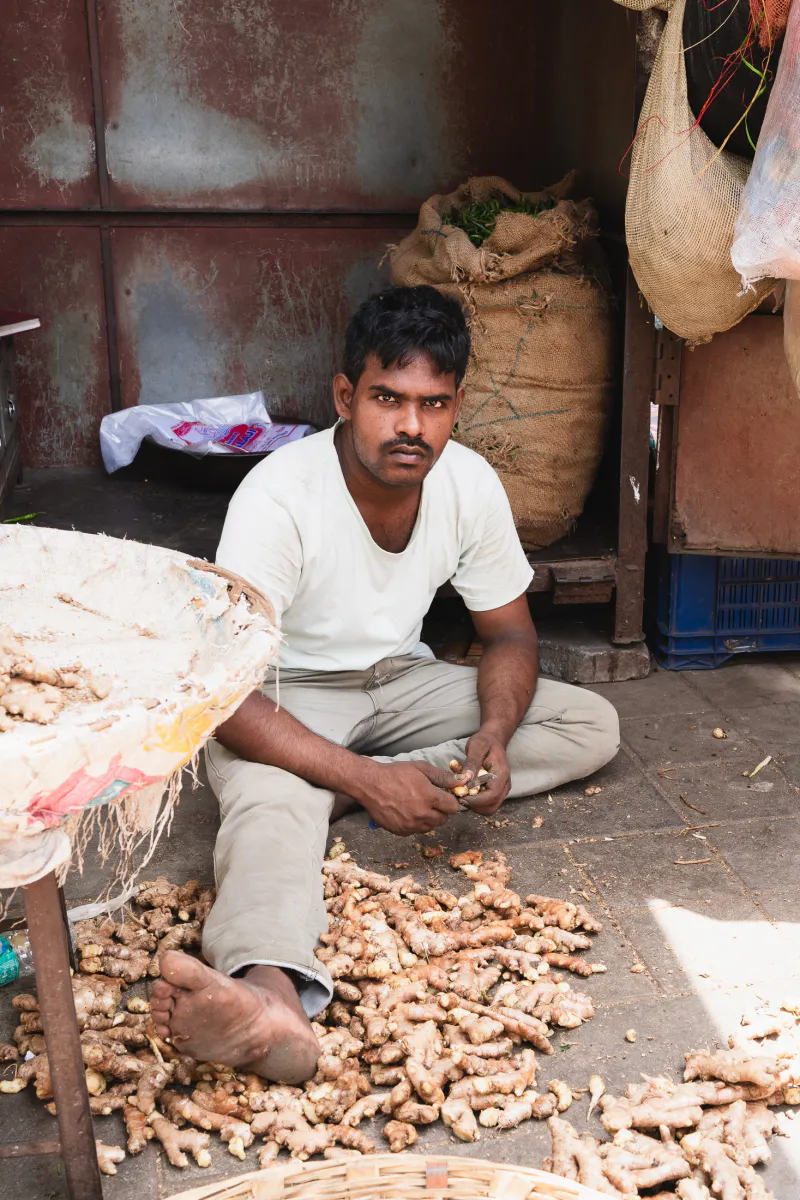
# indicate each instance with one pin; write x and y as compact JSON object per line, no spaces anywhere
{"x":49,"y":944}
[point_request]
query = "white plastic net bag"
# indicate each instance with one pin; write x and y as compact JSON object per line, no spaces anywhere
{"x":767,"y":234}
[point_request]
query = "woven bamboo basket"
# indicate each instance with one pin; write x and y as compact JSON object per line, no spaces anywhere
{"x":395,"y":1177}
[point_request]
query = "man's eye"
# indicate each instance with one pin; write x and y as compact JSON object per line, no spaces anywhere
{"x":433,"y":404}
{"x":387,"y":396}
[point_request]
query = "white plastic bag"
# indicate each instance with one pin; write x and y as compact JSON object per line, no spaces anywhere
{"x":767,"y":234}
{"x":223,"y":425}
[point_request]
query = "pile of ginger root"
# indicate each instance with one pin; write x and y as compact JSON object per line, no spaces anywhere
{"x":441,"y":1002}
{"x":31,"y":691}
{"x":445,"y":1005}
{"x":702,"y":1137}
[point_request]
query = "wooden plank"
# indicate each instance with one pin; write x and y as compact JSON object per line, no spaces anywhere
{"x":637,"y":388}
{"x":738,"y":445}
{"x":48,"y":938}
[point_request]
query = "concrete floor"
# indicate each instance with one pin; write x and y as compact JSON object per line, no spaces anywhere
{"x":715,"y":938}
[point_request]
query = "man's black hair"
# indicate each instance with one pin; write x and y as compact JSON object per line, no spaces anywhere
{"x":402,"y":322}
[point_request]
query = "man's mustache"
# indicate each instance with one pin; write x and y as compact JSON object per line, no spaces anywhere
{"x":407,"y":444}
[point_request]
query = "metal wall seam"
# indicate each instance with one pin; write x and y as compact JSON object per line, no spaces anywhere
{"x":98,"y":109}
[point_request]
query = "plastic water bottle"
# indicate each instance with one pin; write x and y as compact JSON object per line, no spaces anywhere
{"x":16,"y":957}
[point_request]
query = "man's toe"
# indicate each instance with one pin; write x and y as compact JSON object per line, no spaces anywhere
{"x":182,"y":971}
{"x":162,"y":993}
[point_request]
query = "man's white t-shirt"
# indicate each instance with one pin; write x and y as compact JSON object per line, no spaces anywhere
{"x":343,"y":603}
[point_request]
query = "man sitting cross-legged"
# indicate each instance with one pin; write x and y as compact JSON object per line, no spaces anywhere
{"x":349,"y":533}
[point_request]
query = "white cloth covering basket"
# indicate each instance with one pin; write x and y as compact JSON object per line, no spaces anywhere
{"x":180,"y":647}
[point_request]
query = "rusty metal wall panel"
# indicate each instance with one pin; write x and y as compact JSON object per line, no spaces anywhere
{"x":584,"y":82}
{"x":324,"y":105}
{"x":46,"y":122}
{"x":62,"y":368}
{"x":219,"y":311}
{"x":738,"y":445}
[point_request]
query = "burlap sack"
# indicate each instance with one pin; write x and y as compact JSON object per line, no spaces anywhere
{"x":642,"y":5}
{"x":682,"y":201}
{"x":538,"y":387}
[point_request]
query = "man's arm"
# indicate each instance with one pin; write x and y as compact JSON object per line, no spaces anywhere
{"x":507,"y":678}
{"x":404,"y":797}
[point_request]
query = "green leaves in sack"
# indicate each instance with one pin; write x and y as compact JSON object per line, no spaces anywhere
{"x":478,"y":219}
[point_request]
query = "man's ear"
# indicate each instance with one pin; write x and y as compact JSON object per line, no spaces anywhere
{"x":459,"y":402}
{"x":343,"y":396}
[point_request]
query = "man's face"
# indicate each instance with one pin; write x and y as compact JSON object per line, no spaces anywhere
{"x":400,"y":418}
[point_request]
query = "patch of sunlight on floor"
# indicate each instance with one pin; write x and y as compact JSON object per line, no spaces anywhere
{"x":735,"y":967}
{"x":714,"y":953}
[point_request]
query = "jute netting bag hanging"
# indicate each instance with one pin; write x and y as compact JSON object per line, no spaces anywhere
{"x":771,"y":18}
{"x":538,"y":386}
{"x":683,"y":197}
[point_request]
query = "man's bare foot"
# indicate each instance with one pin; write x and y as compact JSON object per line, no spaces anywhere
{"x":257,"y":1023}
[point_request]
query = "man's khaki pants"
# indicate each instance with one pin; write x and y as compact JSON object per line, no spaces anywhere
{"x":271,"y":843}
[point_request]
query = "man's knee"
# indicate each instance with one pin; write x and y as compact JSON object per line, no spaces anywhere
{"x":602,"y":725}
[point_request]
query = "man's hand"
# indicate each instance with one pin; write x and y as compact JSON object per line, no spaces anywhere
{"x":485,"y":750}
{"x":410,"y":797}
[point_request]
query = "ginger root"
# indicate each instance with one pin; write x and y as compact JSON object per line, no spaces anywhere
{"x":37,"y":702}
{"x":175,"y":1141}
{"x":460,"y":1119}
{"x":151,"y":1084}
{"x":400,"y":1135}
{"x":562,"y":1092}
{"x":732,"y":1066}
{"x":577,"y":1158}
{"x":728,"y":1180}
{"x":138,"y":1130}
{"x":108,"y":1157}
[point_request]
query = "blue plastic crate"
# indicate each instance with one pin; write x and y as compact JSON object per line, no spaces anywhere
{"x":711,"y":608}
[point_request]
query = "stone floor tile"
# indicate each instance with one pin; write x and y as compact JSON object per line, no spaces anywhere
{"x":782,"y":903}
{"x":693,"y":949}
{"x":683,"y":738}
{"x":783,"y":906}
{"x":36,"y":1178}
{"x":661,"y":693}
{"x":765,"y":854}
{"x":790,"y":767}
{"x":638,"y":872}
{"x":174,"y":1181}
{"x":165,"y":514}
{"x":725,"y":792}
{"x":639,"y":808}
{"x":774,"y":728}
{"x":627,"y":802}
{"x":745,"y":683}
